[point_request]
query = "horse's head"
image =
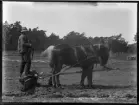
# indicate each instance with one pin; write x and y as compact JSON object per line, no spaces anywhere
{"x":102,"y":48}
{"x":101,"y":51}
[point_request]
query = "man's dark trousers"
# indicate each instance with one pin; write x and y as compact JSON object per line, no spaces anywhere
{"x":25,"y":63}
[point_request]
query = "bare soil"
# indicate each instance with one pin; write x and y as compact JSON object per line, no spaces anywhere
{"x":116,"y":86}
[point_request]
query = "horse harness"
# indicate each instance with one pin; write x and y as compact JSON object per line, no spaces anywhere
{"x":87,"y":54}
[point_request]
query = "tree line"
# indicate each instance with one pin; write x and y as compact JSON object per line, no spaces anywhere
{"x":40,"y":41}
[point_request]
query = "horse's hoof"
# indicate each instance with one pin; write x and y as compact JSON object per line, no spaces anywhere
{"x":50,"y":84}
{"x":54,"y":86}
{"x":82,"y":85}
{"x":38,"y":84}
{"x":23,"y":90}
{"x":59,"y":85}
{"x":89,"y":86}
{"x":21,"y":81}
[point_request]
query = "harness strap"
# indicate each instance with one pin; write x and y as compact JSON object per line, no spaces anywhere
{"x":84,"y":50}
{"x":70,"y":66}
{"x":75,"y":52}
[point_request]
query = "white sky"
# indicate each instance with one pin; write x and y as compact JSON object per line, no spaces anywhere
{"x":106,"y":19}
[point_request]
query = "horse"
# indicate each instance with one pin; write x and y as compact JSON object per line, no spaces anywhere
{"x":84,"y":56}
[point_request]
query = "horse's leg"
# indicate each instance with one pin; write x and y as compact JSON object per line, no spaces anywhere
{"x":83,"y":76}
{"x":100,"y":60}
{"x":50,"y":81}
{"x":96,"y":65}
{"x":53,"y":77}
{"x":89,"y":75}
{"x":59,"y":67}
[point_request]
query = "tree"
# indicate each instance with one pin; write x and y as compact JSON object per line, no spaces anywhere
{"x":135,"y":38}
{"x":96,"y":40}
{"x":117,"y":43}
{"x":38,"y":38}
{"x":6,"y":36}
{"x":11,"y":33}
{"x":6,"y":29}
{"x":41,"y":41}
{"x":15,"y":32}
{"x":75,"y":38}
{"x":132,"y":48}
{"x":53,"y":39}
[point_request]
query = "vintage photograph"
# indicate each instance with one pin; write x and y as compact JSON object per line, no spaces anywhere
{"x":83,"y":52}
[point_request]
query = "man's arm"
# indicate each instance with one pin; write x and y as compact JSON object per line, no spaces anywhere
{"x":24,"y":43}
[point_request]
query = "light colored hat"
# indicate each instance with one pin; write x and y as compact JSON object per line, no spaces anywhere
{"x":23,"y":29}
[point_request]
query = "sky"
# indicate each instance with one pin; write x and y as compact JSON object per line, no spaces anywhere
{"x":105,"y":19}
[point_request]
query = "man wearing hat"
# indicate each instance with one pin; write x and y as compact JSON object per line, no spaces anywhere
{"x":23,"y":46}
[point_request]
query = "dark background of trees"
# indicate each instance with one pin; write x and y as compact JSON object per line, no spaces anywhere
{"x":41,"y":41}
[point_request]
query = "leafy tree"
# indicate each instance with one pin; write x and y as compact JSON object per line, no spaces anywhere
{"x":6,"y":36}
{"x":135,"y":38}
{"x":132,"y":48}
{"x":38,"y":38}
{"x":53,"y":39}
{"x":15,"y":32}
{"x":75,"y":39}
{"x":117,"y":43}
{"x":41,"y":41}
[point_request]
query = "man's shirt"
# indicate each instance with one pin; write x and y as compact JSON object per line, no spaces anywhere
{"x":23,"y":44}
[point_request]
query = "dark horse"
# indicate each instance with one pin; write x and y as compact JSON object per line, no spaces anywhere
{"x":84,"y":56}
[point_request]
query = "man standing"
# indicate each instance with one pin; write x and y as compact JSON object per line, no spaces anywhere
{"x":23,"y":48}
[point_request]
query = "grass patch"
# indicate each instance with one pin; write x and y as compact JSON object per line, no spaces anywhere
{"x":84,"y":95}
{"x":55,"y":95}
{"x":71,"y":95}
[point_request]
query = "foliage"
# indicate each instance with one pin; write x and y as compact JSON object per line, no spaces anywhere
{"x":75,"y":39}
{"x":132,"y":48}
{"x":41,"y":41}
{"x":135,"y":38}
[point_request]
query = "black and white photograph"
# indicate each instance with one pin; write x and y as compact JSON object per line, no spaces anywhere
{"x":69,"y":52}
